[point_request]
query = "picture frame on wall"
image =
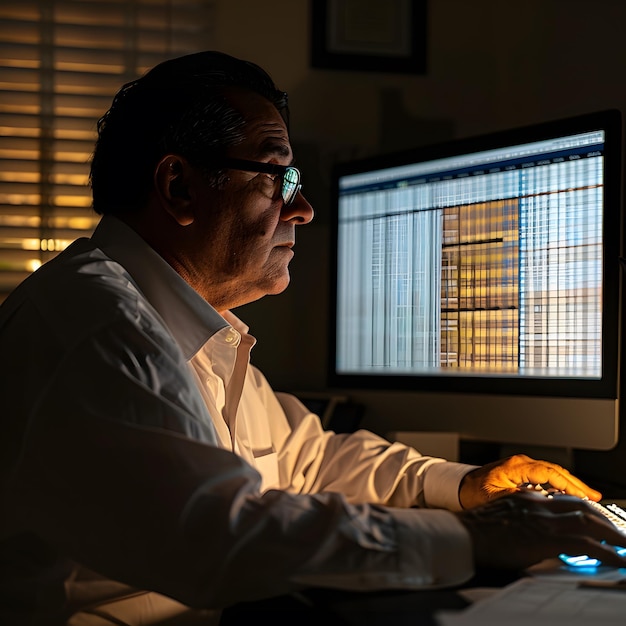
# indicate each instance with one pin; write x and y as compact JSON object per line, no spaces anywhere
{"x":369,"y":35}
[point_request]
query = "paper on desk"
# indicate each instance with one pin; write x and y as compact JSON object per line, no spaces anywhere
{"x":541,"y":602}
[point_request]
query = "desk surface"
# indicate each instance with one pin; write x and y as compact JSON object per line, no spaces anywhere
{"x":326,"y":607}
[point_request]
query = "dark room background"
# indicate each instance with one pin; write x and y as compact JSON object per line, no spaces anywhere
{"x":490,"y":65}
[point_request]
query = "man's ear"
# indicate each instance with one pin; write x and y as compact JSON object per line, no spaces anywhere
{"x":171,"y":181}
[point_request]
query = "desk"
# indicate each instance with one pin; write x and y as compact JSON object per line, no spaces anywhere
{"x":530,"y":601}
{"x":326,"y":607}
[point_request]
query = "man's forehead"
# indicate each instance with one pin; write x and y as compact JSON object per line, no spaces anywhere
{"x":273,"y":140}
{"x":253,"y":106}
{"x":265,"y":128}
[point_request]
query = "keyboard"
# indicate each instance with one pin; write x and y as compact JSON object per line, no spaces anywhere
{"x":613,"y":512}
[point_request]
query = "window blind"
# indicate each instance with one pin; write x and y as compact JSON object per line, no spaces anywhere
{"x":61,"y":61}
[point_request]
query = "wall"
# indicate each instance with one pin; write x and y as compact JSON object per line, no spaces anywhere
{"x":491,"y":65}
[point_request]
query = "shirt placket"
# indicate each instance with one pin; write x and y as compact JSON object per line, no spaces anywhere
{"x":234,"y":386}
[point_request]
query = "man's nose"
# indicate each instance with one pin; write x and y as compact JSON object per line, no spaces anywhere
{"x":299,"y":211}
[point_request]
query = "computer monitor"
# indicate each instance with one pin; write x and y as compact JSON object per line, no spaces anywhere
{"x":476,"y":284}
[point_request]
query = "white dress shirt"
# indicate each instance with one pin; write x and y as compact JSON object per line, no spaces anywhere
{"x":140,"y":443}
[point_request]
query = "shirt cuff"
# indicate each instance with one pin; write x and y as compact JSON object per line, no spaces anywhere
{"x":436,"y":549}
{"x":441,"y":485}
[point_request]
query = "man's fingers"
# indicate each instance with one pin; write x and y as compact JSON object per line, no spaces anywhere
{"x":604,"y":552}
{"x":562,"y":480}
{"x":544,"y":472}
{"x":503,"y":477}
{"x":585,"y":526}
{"x":572,"y":509}
{"x":518,"y":531}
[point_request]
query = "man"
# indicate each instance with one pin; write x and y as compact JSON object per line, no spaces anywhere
{"x":140,"y":448}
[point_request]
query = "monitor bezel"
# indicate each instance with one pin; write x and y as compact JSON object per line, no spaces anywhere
{"x":605,"y":387}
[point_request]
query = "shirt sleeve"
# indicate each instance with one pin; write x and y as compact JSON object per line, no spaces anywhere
{"x":112,"y":474}
{"x":361,"y":465}
{"x":160,"y":511}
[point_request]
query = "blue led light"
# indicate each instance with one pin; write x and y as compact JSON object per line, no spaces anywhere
{"x":582,"y":560}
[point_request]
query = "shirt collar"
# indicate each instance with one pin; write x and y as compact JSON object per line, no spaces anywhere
{"x":190,"y":318}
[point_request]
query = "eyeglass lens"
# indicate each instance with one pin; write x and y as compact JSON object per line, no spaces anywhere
{"x":291,"y":185}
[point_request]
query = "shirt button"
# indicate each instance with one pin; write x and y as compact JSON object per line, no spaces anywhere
{"x":232,"y":336}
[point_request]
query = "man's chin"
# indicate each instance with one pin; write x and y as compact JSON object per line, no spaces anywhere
{"x":279,"y":285}
{"x":273,"y":282}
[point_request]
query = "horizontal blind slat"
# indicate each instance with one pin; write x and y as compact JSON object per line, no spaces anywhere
{"x":69,"y":61}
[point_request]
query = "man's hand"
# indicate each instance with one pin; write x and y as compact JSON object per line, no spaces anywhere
{"x":504,"y":478}
{"x":515,"y":532}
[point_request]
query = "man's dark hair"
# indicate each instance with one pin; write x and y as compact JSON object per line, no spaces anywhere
{"x":177,"y":107}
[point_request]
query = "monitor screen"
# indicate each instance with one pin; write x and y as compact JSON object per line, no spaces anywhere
{"x":484,"y":273}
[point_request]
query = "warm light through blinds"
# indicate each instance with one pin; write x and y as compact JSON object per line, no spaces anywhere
{"x":61,"y":61}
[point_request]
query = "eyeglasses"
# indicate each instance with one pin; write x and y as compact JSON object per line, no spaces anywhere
{"x":290,"y":175}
